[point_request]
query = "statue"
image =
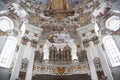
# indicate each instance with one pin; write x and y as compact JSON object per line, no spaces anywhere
{"x":24,"y":40}
{"x":24,"y":64}
{"x":97,"y":64}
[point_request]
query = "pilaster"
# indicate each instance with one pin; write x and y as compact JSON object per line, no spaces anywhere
{"x":30,"y":64}
{"x":16,"y":68}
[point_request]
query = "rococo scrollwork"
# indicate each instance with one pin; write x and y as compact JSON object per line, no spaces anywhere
{"x":34,"y":43}
{"x":95,"y":39}
{"x":24,"y":40}
{"x":86,"y":42}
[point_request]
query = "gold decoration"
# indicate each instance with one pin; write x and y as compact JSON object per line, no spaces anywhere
{"x":34,"y":67}
{"x":17,"y":48}
{"x":41,"y":46}
{"x":35,"y":34}
{"x":59,"y":17}
{"x":34,"y":43}
{"x":84,"y":19}
{"x":83,"y":34}
{"x":79,"y":68}
{"x":2,"y":33}
{"x":86,"y":42}
{"x":95,"y":39}
{"x":34,"y":19}
{"x":97,"y":4}
{"x":57,"y":4}
{"x":24,"y":40}
{"x":27,"y":32}
{"x":92,"y":31}
{"x":78,"y":46}
{"x":43,"y":67}
{"x":61,"y":70}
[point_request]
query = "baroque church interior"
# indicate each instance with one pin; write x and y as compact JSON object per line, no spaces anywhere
{"x":59,"y":39}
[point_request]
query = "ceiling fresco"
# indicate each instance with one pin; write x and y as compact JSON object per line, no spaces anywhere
{"x":57,"y":10}
{"x":62,"y":38}
{"x":72,"y":2}
{"x":55,"y":16}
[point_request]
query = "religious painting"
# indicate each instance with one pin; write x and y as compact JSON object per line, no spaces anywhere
{"x":59,"y":38}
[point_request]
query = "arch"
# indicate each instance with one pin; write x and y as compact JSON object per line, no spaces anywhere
{"x":113,"y":23}
{"x":6,"y":23}
{"x":7,"y":53}
{"x":112,"y":50}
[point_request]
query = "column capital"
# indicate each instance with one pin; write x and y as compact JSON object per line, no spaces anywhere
{"x":24,"y":40}
{"x":95,"y":39}
{"x":34,"y":43}
{"x":86,"y":42}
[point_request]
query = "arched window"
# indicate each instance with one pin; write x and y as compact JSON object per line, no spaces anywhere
{"x":6,"y":23}
{"x":113,"y":23}
{"x":8,"y":52}
{"x":112,"y":50}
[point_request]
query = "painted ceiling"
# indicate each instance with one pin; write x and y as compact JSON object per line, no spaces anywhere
{"x":57,"y":16}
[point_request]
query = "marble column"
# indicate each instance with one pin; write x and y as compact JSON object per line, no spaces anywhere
{"x":94,"y":50}
{"x":105,"y":66}
{"x":31,"y":60}
{"x":91,"y":63}
{"x":30,"y":65}
{"x":17,"y":66}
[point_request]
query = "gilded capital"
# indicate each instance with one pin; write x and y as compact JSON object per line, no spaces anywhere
{"x":95,"y":39}
{"x":34,"y":43}
{"x":86,"y":42}
{"x":24,"y":40}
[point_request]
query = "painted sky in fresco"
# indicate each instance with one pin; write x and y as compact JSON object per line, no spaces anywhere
{"x":72,"y":2}
{"x":59,"y":38}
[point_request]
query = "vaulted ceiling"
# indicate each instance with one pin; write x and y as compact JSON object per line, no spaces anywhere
{"x":57,"y":16}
